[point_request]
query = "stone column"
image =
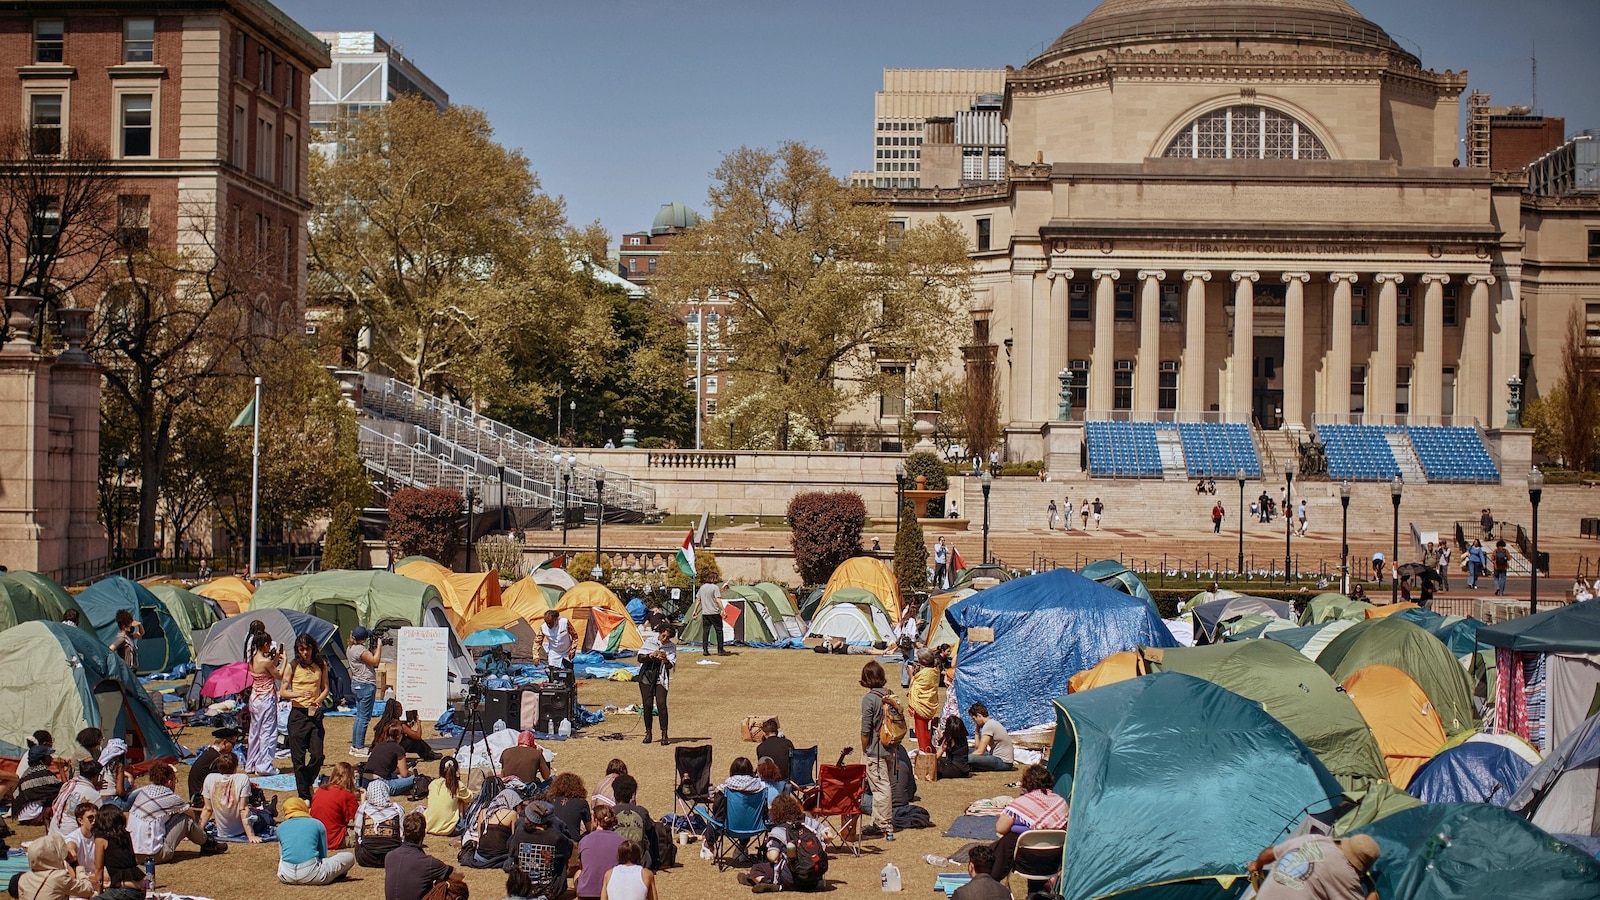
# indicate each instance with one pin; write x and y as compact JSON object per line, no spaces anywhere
{"x":1026,"y":347}
{"x":1294,"y":349}
{"x":1381,"y":377}
{"x":1474,"y":374}
{"x":1147,"y":375}
{"x":1194,"y":341}
{"x":1244,"y":344}
{"x":1104,"y":357}
{"x":1338,"y":403}
{"x":1427,"y":373}
{"x":1508,"y":344}
{"x":1059,"y":335}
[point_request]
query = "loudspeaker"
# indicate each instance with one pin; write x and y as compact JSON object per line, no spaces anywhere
{"x":555,"y":704}
{"x":502,"y":705}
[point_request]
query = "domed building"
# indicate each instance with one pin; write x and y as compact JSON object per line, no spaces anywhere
{"x":1245,"y":211}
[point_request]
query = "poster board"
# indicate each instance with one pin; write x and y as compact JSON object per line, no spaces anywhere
{"x":423,"y":667}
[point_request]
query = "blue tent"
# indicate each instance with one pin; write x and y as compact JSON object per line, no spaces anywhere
{"x":637,"y":611}
{"x":1459,"y":633}
{"x":164,"y":646}
{"x":1474,"y":772}
{"x":1470,"y":851}
{"x":1043,"y":629}
{"x":1176,"y":784}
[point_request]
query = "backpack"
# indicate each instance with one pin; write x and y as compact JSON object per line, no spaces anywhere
{"x":892,"y":730}
{"x":810,"y":861}
{"x":1501,"y":557}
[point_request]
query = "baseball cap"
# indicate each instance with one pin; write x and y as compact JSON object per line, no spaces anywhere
{"x":360,"y":633}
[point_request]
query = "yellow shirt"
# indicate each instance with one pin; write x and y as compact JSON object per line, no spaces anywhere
{"x":444,"y":810}
{"x":304,"y":683}
{"x":923,"y":698}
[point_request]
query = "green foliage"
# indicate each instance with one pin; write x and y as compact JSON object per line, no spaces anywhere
{"x":581,"y":567}
{"x":426,"y":523}
{"x":910,"y":553}
{"x":929,"y":466}
{"x":341,"y":544}
{"x":705,"y":568}
{"x":825,"y":530}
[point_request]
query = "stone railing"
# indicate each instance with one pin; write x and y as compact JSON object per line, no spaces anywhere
{"x":692,"y":459}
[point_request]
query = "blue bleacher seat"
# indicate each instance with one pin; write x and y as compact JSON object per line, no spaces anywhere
{"x":1123,"y":449}
{"x":1453,"y":454}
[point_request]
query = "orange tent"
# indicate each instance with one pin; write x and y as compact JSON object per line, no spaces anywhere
{"x":1124,"y":666}
{"x":464,"y":594}
{"x":1378,"y":612}
{"x":530,"y":598}
{"x":1408,"y":730}
{"x":576,"y":603}
{"x":871,"y":575}
{"x":231,"y":592}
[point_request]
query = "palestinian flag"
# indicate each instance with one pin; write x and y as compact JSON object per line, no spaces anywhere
{"x":554,"y":562}
{"x":685,"y":557}
{"x":957,"y":564}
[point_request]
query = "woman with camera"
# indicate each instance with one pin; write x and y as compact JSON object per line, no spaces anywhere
{"x":264,"y":675}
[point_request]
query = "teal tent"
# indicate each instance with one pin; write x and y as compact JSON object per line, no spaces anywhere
{"x":1115,"y":575}
{"x":1470,"y":851}
{"x":1459,"y":633}
{"x":165,"y":644}
{"x":1176,"y":784}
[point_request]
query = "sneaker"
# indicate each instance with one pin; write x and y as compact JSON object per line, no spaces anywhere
{"x":888,"y":835}
{"x":213,"y":848}
{"x":765,"y":887}
{"x":360,"y":752}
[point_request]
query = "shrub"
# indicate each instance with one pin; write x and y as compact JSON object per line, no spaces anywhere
{"x":825,"y":530}
{"x":705,"y":569}
{"x":931,"y":467}
{"x":910,"y":553}
{"x":498,"y":553}
{"x":426,"y":522}
{"x":580,"y":567}
{"x":341,"y":543}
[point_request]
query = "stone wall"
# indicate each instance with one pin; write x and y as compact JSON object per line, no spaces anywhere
{"x":690,"y":482}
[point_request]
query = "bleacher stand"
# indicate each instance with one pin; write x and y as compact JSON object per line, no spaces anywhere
{"x":1122,"y":449}
{"x":1359,"y":452}
{"x":1453,"y":453}
{"x":1217,"y":449}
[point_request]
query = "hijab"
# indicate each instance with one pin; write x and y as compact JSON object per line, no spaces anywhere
{"x":377,"y":806}
{"x":296,"y":808}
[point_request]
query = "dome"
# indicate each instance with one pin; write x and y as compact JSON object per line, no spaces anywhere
{"x":1122,"y":23}
{"x":674,"y":216}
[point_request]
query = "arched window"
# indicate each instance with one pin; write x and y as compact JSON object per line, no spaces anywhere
{"x":1245,"y":132}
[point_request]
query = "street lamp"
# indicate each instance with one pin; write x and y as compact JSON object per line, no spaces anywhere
{"x":1344,"y":534}
{"x":500,"y":476}
{"x":599,"y":518}
{"x":1240,"y":517}
{"x":566,"y":495}
{"x":1288,"y":518}
{"x":987,"y":480}
{"x":469,"y":527}
{"x":1535,"y":493}
{"x":899,"y":495}
{"x":572,"y":420}
{"x":1395,"y":487}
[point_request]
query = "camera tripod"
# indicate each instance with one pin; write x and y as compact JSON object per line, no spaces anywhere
{"x":472,"y":705}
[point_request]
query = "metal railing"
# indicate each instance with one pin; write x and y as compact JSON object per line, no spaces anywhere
{"x":429,"y":461}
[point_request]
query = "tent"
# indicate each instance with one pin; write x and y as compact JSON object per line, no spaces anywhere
{"x":1562,"y":793}
{"x":528,"y":638}
{"x":190,"y":611}
{"x":871,"y":575}
{"x":1295,"y":691}
{"x":1022,"y":641}
{"x":588,"y":594}
{"x":64,"y":679}
{"x":29,"y":597}
{"x":225,"y":644}
{"x":1459,"y":633}
{"x":1330,"y":606}
{"x":1474,"y":772}
{"x":808,"y":606}
{"x":228,"y":589}
{"x":1210,"y":615}
{"x":939,"y":630}
{"x":1555,"y":655}
{"x":1255,"y":625}
{"x":530,"y":598}
{"x":1404,"y":645}
{"x":745,"y":620}
{"x":1168,"y":780}
{"x":1310,"y":640}
{"x":1389,"y":609}
{"x":1188,"y":606}
{"x":1401,"y":717}
{"x":1471,"y":851}
{"x":1115,"y":575}
{"x":637,"y":611}
{"x":781,"y":609}
{"x":464,"y":594}
{"x":855,"y":615}
{"x":553,"y":577}
{"x":165,"y":644}
{"x":1124,"y":665}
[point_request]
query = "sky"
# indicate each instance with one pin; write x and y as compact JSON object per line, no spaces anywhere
{"x":623,"y":105}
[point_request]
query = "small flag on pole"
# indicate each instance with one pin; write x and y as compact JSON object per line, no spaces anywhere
{"x":957,"y":564}
{"x":554,"y":562}
{"x":685,"y":557}
{"x":246,"y":417}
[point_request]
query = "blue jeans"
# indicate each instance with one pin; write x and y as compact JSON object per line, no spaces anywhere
{"x":397,"y":786}
{"x":364,"y":697}
{"x":1472,"y":575}
{"x":1500,"y":582}
{"x":987,"y":763}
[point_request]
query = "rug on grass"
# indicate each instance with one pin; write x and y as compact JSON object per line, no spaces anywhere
{"x":16,"y":862}
{"x":972,"y":828}
{"x":284,"y":782}
{"x":949,"y":881}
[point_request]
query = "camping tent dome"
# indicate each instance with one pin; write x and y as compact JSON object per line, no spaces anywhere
{"x":530,"y":598}
{"x":1470,"y":851}
{"x":1114,"y":574}
{"x":852,"y":614}
{"x":1402,"y":718}
{"x":464,"y":593}
{"x":30,"y":597}
{"x":165,"y":645}
{"x":1562,"y":793}
{"x":1473,"y":772}
{"x":869,"y":574}
{"x":190,"y":611}
{"x":1407,"y":647}
{"x":591,"y":605}
{"x":1327,"y":607}
{"x":64,"y":679}
{"x":1045,"y":628}
{"x":225,"y":644}
{"x":229,"y":589}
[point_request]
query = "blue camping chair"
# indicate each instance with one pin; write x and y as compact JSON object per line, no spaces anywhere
{"x":803,"y":772}
{"x":730,"y":837}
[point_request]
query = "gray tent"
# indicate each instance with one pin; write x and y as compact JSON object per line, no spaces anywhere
{"x":225,"y":644}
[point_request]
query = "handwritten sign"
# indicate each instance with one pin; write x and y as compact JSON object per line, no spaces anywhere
{"x":424,"y":663}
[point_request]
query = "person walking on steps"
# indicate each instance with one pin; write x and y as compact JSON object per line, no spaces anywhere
{"x":1502,"y":566}
{"x":1216,"y":517}
{"x":1098,"y":509}
{"x":657,"y":658}
{"x":710,"y":597}
{"x":1053,"y":512}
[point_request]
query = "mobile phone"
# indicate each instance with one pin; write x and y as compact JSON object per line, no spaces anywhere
{"x":411,"y":716}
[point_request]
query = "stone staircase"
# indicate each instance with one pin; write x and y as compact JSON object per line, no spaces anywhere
{"x":1405,"y":456}
{"x":1174,"y":466}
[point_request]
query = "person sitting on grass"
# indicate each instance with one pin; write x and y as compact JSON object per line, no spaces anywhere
{"x":409,"y":873}
{"x":569,"y":803}
{"x":38,"y":786}
{"x":983,"y":886}
{"x":377,"y":826}
{"x":597,"y":854}
{"x":518,"y":887}
{"x":335,"y":804}
{"x":953,"y":750}
{"x":634,"y":822}
{"x":50,"y":875}
{"x":80,"y":840}
{"x":386,"y":761}
{"x":160,"y":820}
{"x":447,"y":799}
{"x":114,"y":861}
{"x":526,"y":761}
{"x":226,"y":801}
{"x":81,"y":788}
{"x":303,"y":848}
{"x":994,"y":751}
{"x":410,"y":733}
{"x":603,"y":793}
{"x":542,"y":850}
{"x":774,"y":872}
{"x":1039,"y":807}
{"x":629,"y":879}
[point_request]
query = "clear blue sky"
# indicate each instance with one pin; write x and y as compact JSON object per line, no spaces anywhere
{"x":623,"y":105}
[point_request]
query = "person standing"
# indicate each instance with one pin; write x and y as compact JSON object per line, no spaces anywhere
{"x":560,"y":640}
{"x":1502,"y":565}
{"x":1098,"y":509}
{"x":1053,"y":512}
{"x":658,"y":656}
{"x":1486,"y":522}
{"x":1444,"y":565}
{"x":1377,"y":565}
{"x":1216,"y":517}
{"x":905,"y":635}
{"x":880,"y":759}
{"x":941,"y":560}
{"x":1066,"y":513}
{"x":923,"y":700}
{"x":126,"y":644}
{"x":306,"y":686}
{"x":710,"y":598}
{"x":264,"y":675}
{"x":1475,"y":563}
{"x":363,"y":664}
{"x":1301,"y":515}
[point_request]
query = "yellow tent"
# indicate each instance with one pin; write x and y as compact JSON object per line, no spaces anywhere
{"x":1124,"y":666}
{"x":869,"y":574}
{"x":1408,"y":730}
{"x":529,"y":598}
{"x":575,"y":603}
{"x":464,"y":594}
{"x":1378,"y":612}
{"x":493,"y":617}
{"x":230,"y":591}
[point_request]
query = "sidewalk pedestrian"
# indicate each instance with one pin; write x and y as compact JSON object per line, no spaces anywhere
{"x":1301,"y":515}
{"x":1053,"y":512}
{"x":1216,"y":518}
{"x":1084,"y":514}
{"x":1502,"y":565}
{"x":1444,"y":565}
{"x":1098,"y":509}
{"x":1486,"y":522}
{"x":1475,"y":563}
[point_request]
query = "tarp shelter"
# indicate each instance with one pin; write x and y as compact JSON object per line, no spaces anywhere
{"x":530,"y":598}
{"x":1459,"y":633}
{"x":228,"y":589}
{"x":1022,"y":641}
{"x":1474,"y":772}
{"x":1175,"y":785}
{"x":852,"y":614}
{"x":637,"y":611}
{"x":587,"y":594}
{"x":225,"y":644}
{"x":1115,"y":575}
{"x":1401,"y":717}
{"x":165,"y":644}
{"x":528,"y":639}
{"x":1404,"y":645}
{"x":465,"y":594}
{"x":1310,"y":640}
{"x":1562,"y":793}
{"x":1330,"y":606}
{"x":1295,"y":691}
{"x":64,"y":679}
{"x":871,"y":575}
{"x":1208,"y":616}
{"x":1555,"y":655}
{"x":31,"y":597}
{"x":191,"y":611}
{"x":1475,"y":851}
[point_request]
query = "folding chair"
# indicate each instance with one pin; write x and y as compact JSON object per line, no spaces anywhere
{"x":803,"y":775}
{"x":745,"y":821}
{"x":1040,"y":855}
{"x":693,"y":781}
{"x":839,"y":797}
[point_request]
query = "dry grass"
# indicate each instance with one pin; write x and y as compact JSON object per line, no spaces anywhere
{"x":815,"y":696}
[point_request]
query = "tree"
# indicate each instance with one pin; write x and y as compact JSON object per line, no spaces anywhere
{"x":981,"y":400}
{"x":825,"y":530}
{"x":824,"y":286}
{"x":426,"y":522}
{"x":910,"y":552}
{"x":58,"y":213}
{"x":706,"y":571}
{"x":581,"y":568}
{"x":341,"y":544}
{"x":1577,"y":396}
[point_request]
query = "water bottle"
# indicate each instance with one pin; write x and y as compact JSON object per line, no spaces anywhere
{"x":149,"y":874}
{"x":499,"y":725}
{"x":566,"y":728}
{"x":889,"y":878}
{"x":934,"y":859}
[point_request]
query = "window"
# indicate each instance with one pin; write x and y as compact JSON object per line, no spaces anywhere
{"x":264,"y":69}
{"x":1168,"y":386}
{"x":1358,"y":389}
{"x":289,"y":168}
{"x":137,"y":126}
{"x":1169,"y":305}
{"x":1452,"y":306}
{"x":980,"y":332}
{"x":239,"y":47}
{"x":711,"y":406}
{"x":138,"y":40}
{"x":1358,"y":305}
{"x":1079,"y":391}
{"x":711,"y":384}
{"x":983,"y":234}
{"x":1403,"y":306}
{"x":238,"y":136}
{"x":1078,"y":302}
{"x":45,"y":226}
{"x":1122,"y":385}
{"x":44,"y":119}
{"x":1124,"y":304}
{"x":49,"y":40}
{"x":633,"y":242}
{"x":892,"y":403}
{"x":1591,"y":322}
{"x":1402,"y":390}
{"x":264,"y":144}
{"x":896,"y":234}
{"x":1447,"y":391}
{"x":633,"y":264}
{"x":1245,"y":132}
{"x":692,"y":319}
{"x":133,"y":221}
{"x":651,"y":264}
{"x":1594,"y":245}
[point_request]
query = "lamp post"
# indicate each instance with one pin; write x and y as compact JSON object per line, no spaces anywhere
{"x":1535,"y":493}
{"x":899,"y":495}
{"x":566,"y":496}
{"x":1344,"y":535}
{"x":599,"y":518}
{"x":987,"y":480}
{"x":1395,"y":487}
{"x":1288,"y":519}
{"x":1240,"y":517}
{"x":500,"y":476}
{"x":572,"y":420}
{"x":470,"y":499}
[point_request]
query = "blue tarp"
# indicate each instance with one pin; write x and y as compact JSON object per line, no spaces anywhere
{"x":637,"y":611}
{"x":1475,"y":772}
{"x":1047,"y":628}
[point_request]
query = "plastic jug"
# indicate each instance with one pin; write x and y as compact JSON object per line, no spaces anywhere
{"x":889,"y":878}
{"x":499,"y":725}
{"x":566,"y":728}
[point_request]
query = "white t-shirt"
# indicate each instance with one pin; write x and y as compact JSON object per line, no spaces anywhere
{"x":224,"y":792}
{"x":85,"y":845}
{"x":1000,"y":745}
{"x":557,"y":642}
{"x":710,"y":597}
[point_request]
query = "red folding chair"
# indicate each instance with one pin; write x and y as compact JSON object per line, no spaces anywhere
{"x":839,"y":798}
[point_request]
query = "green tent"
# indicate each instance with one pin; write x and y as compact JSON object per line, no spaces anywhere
{"x":1470,"y":851}
{"x":1115,"y":575}
{"x":164,"y":646}
{"x":1175,"y":785}
{"x":1252,"y":626}
{"x":1330,"y":606}
{"x":1459,"y":633}
{"x":1396,"y":642}
{"x":750,"y":626}
{"x":1566,"y":629}
{"x":855,"y":615}
{"x":65,"y":679}
{"x":1293,"y":690}
{"x":191,"y":611}
{"x":1310,"y":640}
{"x":29,"y":596}
{"x":781,"y":610}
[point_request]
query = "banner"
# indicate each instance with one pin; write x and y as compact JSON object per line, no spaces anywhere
{"x":422,"y":671}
